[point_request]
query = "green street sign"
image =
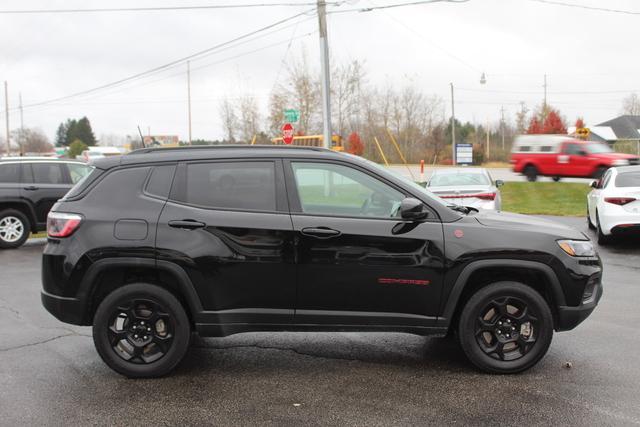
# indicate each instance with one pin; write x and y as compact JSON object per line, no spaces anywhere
{"x":291,"y":115}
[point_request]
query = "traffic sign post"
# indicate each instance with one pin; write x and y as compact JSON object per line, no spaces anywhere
{"x":287,"y":133}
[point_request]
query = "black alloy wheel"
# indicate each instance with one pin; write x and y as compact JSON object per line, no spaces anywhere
{"x":505,"y":328}
{"x":141,"y":330}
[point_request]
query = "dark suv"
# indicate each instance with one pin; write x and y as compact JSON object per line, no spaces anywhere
{"x":162,"y":242}
{"x":29,"y":187}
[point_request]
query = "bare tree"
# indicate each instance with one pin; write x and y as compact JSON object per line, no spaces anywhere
{"x":631,"y":105}
{"x":521,"y":119}
{"x":249,"y":118}
{"x":229,"y":119}
{"x":346,"y":83}
{"x":32,"y":141}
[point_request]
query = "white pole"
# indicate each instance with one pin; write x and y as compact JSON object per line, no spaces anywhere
{"x":326,"y":84}
{"x":6,"y":112}
{"x":453,"y":129}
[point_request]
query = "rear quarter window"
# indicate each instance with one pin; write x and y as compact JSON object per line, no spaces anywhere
{"x":10,"y":173}
{"x":84,"y":183}
{"x":160,"y":181}
{"x":628,"y":179}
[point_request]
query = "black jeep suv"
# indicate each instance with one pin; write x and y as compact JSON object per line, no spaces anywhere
{"x":162,"y":242}
{"x":29,"y":187}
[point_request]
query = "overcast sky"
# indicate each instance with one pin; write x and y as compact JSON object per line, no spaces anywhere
{"x":590,"y":58}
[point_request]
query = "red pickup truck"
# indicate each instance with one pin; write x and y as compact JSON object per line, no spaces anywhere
{"x":561,"y":156}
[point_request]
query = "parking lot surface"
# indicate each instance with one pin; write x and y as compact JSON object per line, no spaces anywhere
{"x":51,"y":374}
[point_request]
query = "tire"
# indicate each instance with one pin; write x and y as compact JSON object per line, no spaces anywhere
{"x":14,"y":229}
{"x":603,"y":239}
{"x":508,"y":351}
{"x":599,"y":172}
{"x":531,"y":172}
{"x":122,"y":321}
{"x":556,"y":179}
{"x":589,"y":223}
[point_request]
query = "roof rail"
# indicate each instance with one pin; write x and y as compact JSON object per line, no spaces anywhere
{"x":227,"y":146}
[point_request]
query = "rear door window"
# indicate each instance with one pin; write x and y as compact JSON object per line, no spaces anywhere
{"x":628,"y":179}
{"x":229,"y":185}
{"x":573,"y":149}
{"x":48,"y":173}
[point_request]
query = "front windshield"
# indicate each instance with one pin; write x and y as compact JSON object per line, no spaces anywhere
{"x":598,"y":148}
{"x":413,"y":184}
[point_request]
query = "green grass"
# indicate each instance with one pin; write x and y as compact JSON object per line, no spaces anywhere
{"x":545,"y":198}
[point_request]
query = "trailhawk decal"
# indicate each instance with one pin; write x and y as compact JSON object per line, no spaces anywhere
{"x":389,"y":281}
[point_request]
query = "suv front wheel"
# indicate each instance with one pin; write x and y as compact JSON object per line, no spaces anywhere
{"x":14,"y":228}
{"x":505,"y":328}
{"x":141,"y":330}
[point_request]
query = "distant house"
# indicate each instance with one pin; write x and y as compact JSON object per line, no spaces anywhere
{"x":622,"y":128}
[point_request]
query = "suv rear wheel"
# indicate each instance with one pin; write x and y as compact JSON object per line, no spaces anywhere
{"x":505,"y":328}
{"x":141,"y":330}
{"x":14,"y":228}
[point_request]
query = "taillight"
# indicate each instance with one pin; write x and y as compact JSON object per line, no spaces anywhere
{"x":619,"y":200}
{"x":486,"y":196}
{"x":60,"y":224}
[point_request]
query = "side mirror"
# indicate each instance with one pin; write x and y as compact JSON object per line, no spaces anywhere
{"x":413,"y":209}
{"x":499,"y":183}
{"x":594,"y":184}
{"x":583,"y":153}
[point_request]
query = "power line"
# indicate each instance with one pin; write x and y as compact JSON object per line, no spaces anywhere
{"x":581,"y":6}
{"x":595,"y":92}
{"x":391,"y":6}
{"x":167,"y":65}
{"x":160,"y":8}
{"x":181,"y":73}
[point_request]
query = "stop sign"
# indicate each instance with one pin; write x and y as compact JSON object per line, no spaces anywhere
{"x":287,"y":133}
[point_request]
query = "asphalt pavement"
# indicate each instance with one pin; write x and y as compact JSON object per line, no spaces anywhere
{"x":50,"y":373}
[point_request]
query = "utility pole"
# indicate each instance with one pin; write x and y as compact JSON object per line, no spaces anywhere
{"x":324,"y":64}
{"x":6,"y":112}
{"x":189,"y":96}
{"x":502,"y":124}
{"x":544,"y":102}
{"x":21,"y":140}
{"x":453,"y":129}
{"x":488,"y":141}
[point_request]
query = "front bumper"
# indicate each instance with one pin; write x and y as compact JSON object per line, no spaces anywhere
{"x":570,"y":317}
{"x":65,"y":309}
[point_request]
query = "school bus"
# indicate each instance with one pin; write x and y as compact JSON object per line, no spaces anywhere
{"x":313,"y":141}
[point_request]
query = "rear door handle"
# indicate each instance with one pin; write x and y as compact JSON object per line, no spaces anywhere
{"x":31,"y":188}
{"x":188,"y":224}
{"x":320,"y":232}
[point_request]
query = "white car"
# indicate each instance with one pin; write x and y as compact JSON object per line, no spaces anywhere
{"x":467,"y":187}
{"x":613,"y":206}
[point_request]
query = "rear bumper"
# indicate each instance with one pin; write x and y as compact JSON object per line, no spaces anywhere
{"x":570,"y":317}
{"x":68,"y":310}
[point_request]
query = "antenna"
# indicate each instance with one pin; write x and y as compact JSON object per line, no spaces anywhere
{"x":141,"y":137}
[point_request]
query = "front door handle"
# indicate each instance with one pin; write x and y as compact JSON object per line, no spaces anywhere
{"x":188,"y":224}
{"x":31,"y":188}
{"x":320,"y":232}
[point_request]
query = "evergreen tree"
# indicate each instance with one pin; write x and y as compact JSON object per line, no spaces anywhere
{"x":84,"y":133}
{"x":61,"y":135}
{"x":70,"y":126}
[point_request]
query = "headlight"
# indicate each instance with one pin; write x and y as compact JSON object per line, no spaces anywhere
{"x":621,"y":162}
{"x":577,"y":247}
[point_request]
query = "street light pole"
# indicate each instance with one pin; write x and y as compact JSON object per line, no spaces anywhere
{"x":453,"y":129}
{"x":326,"y":84}
{"x":6,"y":112}
{"x":189,"y":96}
